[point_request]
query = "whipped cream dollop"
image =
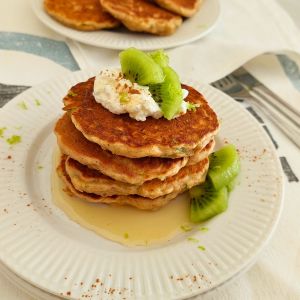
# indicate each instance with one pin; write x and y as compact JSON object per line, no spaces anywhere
{"x":119,"y":95}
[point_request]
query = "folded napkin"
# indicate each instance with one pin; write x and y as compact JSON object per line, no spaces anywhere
{"x":246,"y":30}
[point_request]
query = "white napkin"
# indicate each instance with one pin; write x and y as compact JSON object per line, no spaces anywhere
{"x":281,"y":73}
{"x":246,"y":29}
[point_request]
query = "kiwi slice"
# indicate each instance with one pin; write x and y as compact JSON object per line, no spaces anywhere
{"x":160,"y":57}
{"x":206,"y":202}
{"x":224,"y":166}
{"x":168,"y":94}
{"x":231,"y":185}
{"x":139,"y":67}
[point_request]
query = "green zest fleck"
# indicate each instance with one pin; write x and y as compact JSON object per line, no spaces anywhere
{"x":39,"y":167}
{"x":18,"y":127}
{"x":2,"y":131}
{"x":191,"y":239}
{"x":203,"y":229}
{"x":124,"y":98}
{"x":23,"y":105}
{"x":72,"y":94}
{"x":202,"y":26}
{"x":126,"y":235}
{"x":182,"y":150}
{"x":14,"y":139}
{"x":37,"y":102}
{"x":186,"y":228}
{"x":202,"y":248}
{"x":192,"y":106}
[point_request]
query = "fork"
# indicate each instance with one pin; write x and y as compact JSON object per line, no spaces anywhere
{"x":241,"y":85}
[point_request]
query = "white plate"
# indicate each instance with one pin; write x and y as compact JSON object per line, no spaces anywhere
{"x":41,"y":245}
{"x":25,"y":286}
{"x":192,"y":29}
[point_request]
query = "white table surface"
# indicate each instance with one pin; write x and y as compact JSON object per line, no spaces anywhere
{"x":9,"y":291}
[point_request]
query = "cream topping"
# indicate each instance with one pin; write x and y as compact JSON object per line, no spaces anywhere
{"x":119,"y":95}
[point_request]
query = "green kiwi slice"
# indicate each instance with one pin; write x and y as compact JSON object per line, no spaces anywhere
{"x":160,"y":57}
{"x":224,"y":166}
{"x":231,"y":185}
{"x":168,"y":94}
{"x":139,"y":67}
{"x":206,"y":202}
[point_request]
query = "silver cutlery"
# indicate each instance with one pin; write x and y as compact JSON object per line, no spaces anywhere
{"x":241,"y":85}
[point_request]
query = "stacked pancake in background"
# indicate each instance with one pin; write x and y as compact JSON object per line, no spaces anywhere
{"x":114,"y":159}
{"x":160,"y":17}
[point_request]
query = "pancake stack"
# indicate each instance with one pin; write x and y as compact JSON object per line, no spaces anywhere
{"x":114,"y":159}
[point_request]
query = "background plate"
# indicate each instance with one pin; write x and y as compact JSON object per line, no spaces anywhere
{"x":40,"y":244}
{"x":192,"y":29}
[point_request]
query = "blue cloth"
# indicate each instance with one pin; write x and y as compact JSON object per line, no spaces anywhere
{"x":57,"y":51}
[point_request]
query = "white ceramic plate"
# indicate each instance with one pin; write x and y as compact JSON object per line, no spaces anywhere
{"x":40,"y":244}
{"x":25,"y":286}
{"x":192,"y":29}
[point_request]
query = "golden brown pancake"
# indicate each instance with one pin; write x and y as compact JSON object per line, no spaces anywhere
{"x":200,"y":154}
{"x":89,"y":180}
{"x":130,"y":170}
{"x":125,"y":136}
{"x":131,"y":200}
{"x":80,"y":14}
{"x":142,"y":16}
{"x":185,"y":8}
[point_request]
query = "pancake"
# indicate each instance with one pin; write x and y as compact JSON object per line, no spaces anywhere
{"x":200,"y":154}
{"x":80,"y":14}
{"x":185,"y":8}
{"x":142,"y":16}
{"x":134,"y":171}
{"x":131,"y":200}
{"x":89,"y":180}
{"x":125,"y":136}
